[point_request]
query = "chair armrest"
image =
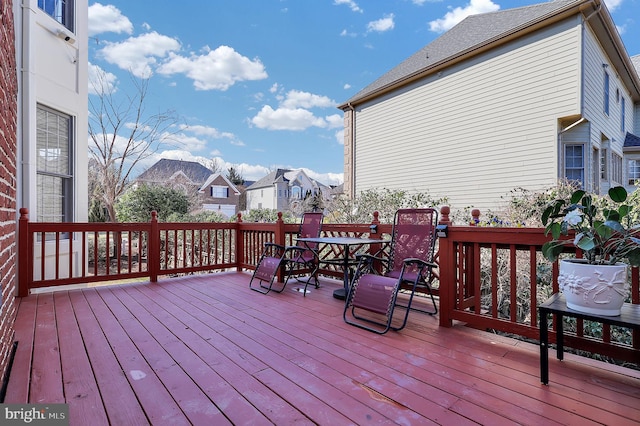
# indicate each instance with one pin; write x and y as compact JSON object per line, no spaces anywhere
{"x":275,"y":245}
{"x":420,"y":262}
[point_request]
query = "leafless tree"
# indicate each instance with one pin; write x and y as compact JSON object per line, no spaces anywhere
{"x":122,"y":135}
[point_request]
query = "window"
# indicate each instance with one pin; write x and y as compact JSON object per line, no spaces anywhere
{"x":219,"y":191}
{"x":634,"y":172}
{"x":574,"y":163}
{"x":296,"y":193}
{"x":595,"y":170}
{"x":606,"y":93}
{"x":616,"y":168}
{"x":60,"y":10}
{"x":603,"y":165}
{"x":622,"y":114}
{"x":54,"y":179}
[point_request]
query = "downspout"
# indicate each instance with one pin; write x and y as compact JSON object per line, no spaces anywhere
{"x":25,"y":107}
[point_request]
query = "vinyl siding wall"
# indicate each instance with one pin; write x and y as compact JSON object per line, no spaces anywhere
{"x":478,"y":129}
{"x":604,"y":127}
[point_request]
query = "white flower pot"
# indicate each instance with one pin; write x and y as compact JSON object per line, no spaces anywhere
{"x":594,"y":289}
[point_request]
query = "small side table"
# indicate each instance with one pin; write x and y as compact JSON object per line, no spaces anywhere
{"x":629,"y":317}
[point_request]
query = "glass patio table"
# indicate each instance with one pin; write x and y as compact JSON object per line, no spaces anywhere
{"x":347,"y":260}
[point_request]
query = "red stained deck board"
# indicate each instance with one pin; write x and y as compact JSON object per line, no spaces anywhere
{"x":154,"y":342}
{"x":301,"y":329}
{"x":293,"y":359}
{"x":200,"y":387}
{"x":271,"y":351}
{"x":79,"y":381}
{"x":119,"y":399}
{"x":158,"y":404}
{"x":191,"y":327}
{"x":46,"y":374}
{"x":24,"y":333}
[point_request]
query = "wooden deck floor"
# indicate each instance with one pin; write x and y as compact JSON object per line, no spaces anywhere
{"x":206,"y":350}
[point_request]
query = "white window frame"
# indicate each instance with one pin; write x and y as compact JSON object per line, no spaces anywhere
{"x":569,"y":163}
{"x":62,"y":11}
{"x":633,"y":171}
{"x":219,"y":191}
{"x":54,"y":169}
{"x":616,"y":168}
{"x":606,"y":90}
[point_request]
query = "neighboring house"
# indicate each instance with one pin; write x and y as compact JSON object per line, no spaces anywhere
{"x":284,"y":189}
{"x":186,"y":176}
{"x":51,"y":41}
{"x":209,"y":191}
{"x":515,"y":98}
{"x":218,"y":194}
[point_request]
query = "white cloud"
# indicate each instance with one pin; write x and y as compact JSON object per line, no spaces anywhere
{"x":219,"y":69}
{"x":613,"y":4}
{"x":326,"y":178}
{"x":345,"y":33}
{"x":346,"y":86}
{"x":335,"y":121}
{"x":352,"y":5}
{"x":194,"y":143}
{"x":293,"y":113}
{"x":103,"y":19}
{"x":286,"y":119}
{"x":296,"y":98}
{"x":207,"y":131}
{"x":139,"y":54}
{"x":340,"y":136}
{"x":101,"y":81}
{"x":459,"y":13}
{"x":382,"y":25}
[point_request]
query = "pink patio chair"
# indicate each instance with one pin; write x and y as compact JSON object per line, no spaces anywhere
{"x":373,"y":296}
{"x":296,"y":259}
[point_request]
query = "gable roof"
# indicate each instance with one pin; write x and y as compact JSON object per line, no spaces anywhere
{"x":215,"y":176}
{"x":478,"y":33}
{"x":165,"y":169}
{"x":631,"y":141}
{"x":284,"y":175}
{"x":269,"y":179}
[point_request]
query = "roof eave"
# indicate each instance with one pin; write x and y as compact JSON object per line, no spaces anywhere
{"x":518,"y":32}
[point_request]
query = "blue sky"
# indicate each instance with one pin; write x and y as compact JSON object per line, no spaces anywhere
{"x":256,"y":82}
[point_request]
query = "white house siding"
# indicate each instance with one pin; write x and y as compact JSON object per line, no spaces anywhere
{"x":261,"y":198}
{"x":478,"y":129}
{"x":604,"y":127}
{"x":53,"y":73}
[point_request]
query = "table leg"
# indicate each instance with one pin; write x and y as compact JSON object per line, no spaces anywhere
{"x":559,"y":338}
{"x":544,"y":345}
{"x":341,"y":293}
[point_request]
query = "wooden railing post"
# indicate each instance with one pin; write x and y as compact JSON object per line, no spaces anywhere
{"x":447,"y":270}
{"x":240,"y":259}
{"x":25,"y":257}
{"x":280,"y":239}
{"x":153,"y":257}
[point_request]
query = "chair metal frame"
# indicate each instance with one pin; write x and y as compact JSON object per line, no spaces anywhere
{"x":373,"y":293}
{"x":294,"y":259}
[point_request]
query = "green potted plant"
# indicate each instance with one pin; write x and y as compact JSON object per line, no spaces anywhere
{"x":605,"y":233}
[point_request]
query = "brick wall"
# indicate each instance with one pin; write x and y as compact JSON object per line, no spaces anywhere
{"x":8,"y":174}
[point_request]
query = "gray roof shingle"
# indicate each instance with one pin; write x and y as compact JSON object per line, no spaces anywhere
{"x":473,"y":32}
{"x":165,"y":168}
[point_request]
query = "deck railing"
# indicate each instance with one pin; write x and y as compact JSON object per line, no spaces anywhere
{"x":494,"y":278}
{"x":489,"y":278}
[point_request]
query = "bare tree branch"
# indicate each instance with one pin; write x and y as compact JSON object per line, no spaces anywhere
{"x":122,"y":135}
